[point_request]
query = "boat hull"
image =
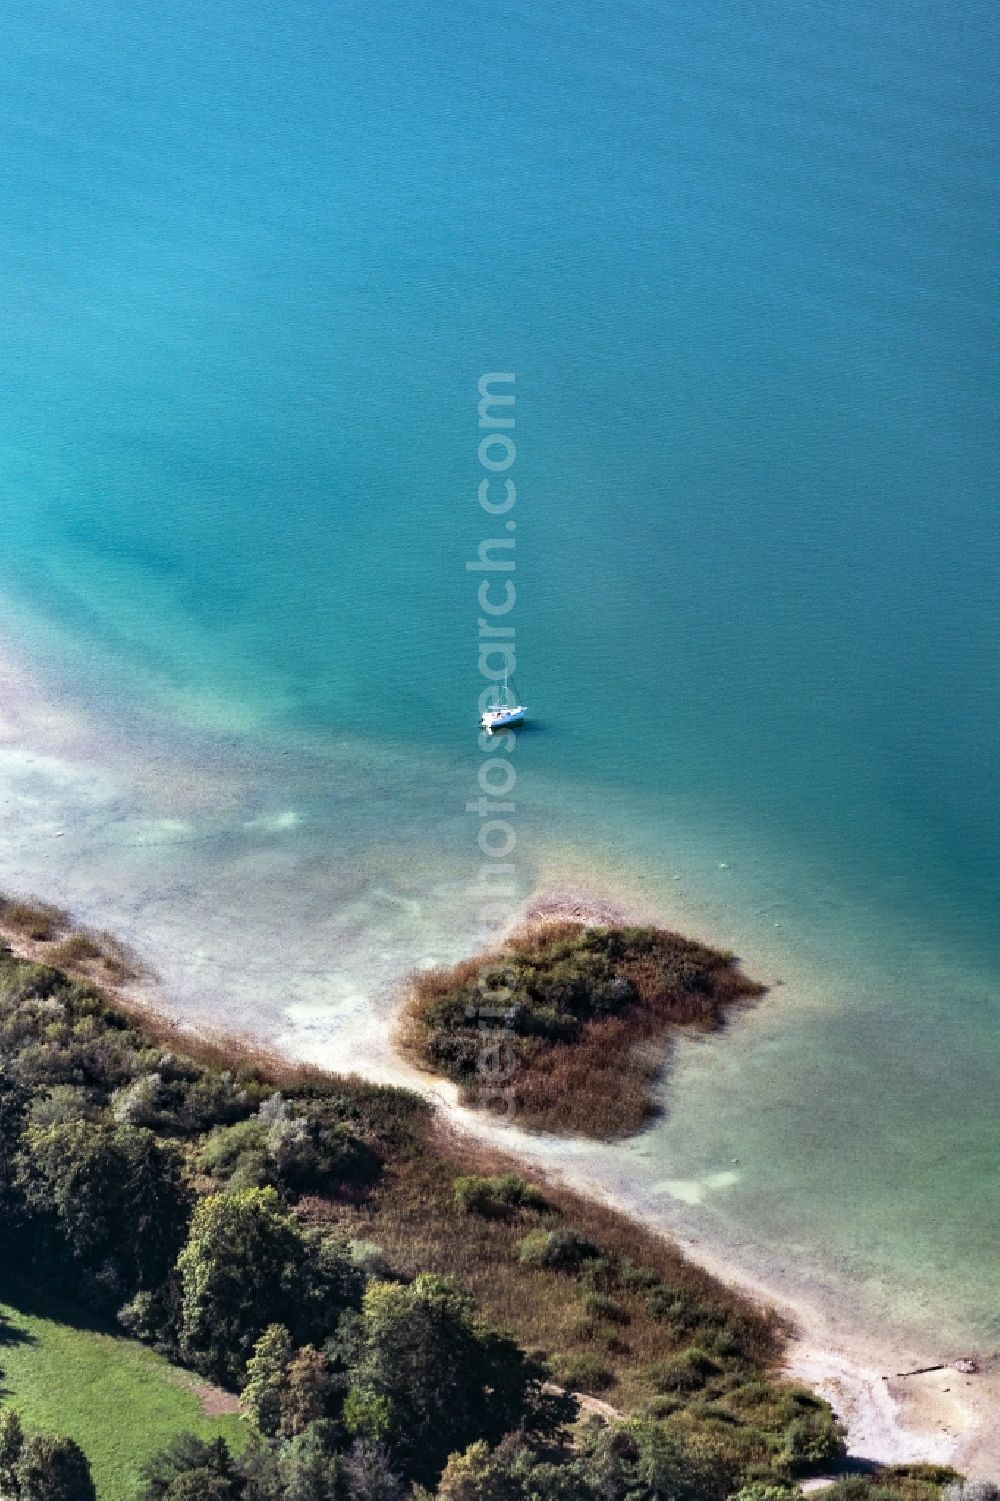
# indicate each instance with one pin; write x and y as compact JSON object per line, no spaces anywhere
{"x":491,"y":722}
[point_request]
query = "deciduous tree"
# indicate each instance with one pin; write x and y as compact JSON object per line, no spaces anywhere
{"x":52,"y":1469}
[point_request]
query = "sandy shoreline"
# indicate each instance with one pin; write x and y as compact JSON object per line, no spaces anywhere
{"x":61,"y":761}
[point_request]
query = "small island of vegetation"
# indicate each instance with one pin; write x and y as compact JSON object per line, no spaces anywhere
{"x":582,"y":1010}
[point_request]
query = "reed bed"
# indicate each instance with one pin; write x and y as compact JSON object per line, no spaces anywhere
{"x":584,"y":1022}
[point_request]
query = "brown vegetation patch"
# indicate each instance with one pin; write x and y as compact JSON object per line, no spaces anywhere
{"x":32,"y":918}
{"x":97,"y":953}
{"x":413,"y":1217}
{"x":41,"y":931}
{"x":575,"y":1018}
{"x":214,"y":1401}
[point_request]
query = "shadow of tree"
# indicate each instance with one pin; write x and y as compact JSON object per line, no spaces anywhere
{"x":35,"y":1300}
{"x":10,"y":1335}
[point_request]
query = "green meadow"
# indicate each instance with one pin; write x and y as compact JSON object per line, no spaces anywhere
{"x":119,"y":1400}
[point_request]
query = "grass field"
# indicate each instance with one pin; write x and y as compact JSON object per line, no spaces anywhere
{"x":119,"y":1400}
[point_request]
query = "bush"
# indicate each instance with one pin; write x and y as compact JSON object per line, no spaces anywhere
{"x":239,"y":1155}
{"x":688,"y":1371}
{"x":562,"y":1250}
{"x":496,"y":1196}
{"x":52,"y":1469}
{"x":582,"y":1373}
{"x":370,"y":1259}
{"x":143,"y":1316}
{"x":687,"y":1314}
{"x":327,"y":1156}
{"x":814,"y":1438}
{"x":280,"y":1149}
{"x":663,"y":1407}
{"x":141,"y":1102}
{"x":62,"y":1105}
{"x":210,"y":1099}
{"x":602,"y":1274}
{"x":912,"y":1482}
{"x":764,"y":1490}
{"x":665,"y":1305}
{"x":600,"y":1306}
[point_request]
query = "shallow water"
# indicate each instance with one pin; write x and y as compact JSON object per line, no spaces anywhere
{"x":743,"y":267}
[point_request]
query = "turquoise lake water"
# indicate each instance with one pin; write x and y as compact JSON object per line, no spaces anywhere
{"x":254,"y":260}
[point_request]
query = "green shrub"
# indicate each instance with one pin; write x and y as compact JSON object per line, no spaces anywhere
{"x":285,"y":1150}
{"x":602,"y":1274}
{"x":142,"y":1316}
{"x":210,"y":1099}
{"x":663,"y":1407}
{"x":687,"y":1371}
{"x":710,"y":1324}
{"x":239,"y":1155}
{"x":721,"y":1342}
{"x":62,"y":1105}
{"x":665,"y":1305}
{"x":636,"y":1278}
{"x":370,"y":1259}
{"x":533,"y":1248}
{"x":814,"y":1437}
{"x":600,"y":1306}
{"x":562,"y":1250}
{"x":496,"y":1196}
{"x":582,"y":1373}
{"x":384,"y":1117}
{"x":140,"y":1103}
{"x":324,"y":1155}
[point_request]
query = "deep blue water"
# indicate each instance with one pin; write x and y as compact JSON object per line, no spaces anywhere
{"x":253,"y":260}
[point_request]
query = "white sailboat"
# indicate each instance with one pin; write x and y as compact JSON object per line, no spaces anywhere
{"x":504,"y":712}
